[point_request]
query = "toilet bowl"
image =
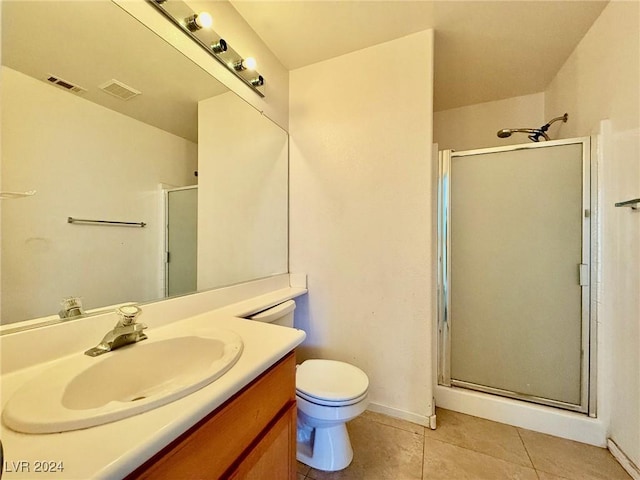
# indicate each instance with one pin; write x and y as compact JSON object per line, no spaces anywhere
{"x":328,"y":394}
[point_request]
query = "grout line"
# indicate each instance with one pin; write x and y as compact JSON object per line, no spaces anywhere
{"x":398,"y":428}
{"x":527,"y":451}
{"x":424,"y":446}
{"x":484,"y":454}
{"x":489,"y":454}
{"x":529,"y":455}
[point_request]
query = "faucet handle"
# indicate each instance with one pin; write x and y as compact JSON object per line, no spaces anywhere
{"x":71,"y":307}
{"x":128,"y":314}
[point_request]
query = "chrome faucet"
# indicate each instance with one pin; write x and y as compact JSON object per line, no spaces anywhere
{"x":125,"y":332}
{"x":71,"y":307}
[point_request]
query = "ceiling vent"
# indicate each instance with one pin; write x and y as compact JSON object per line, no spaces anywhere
{"x":66,"y":85}
{"x":119,"y":89}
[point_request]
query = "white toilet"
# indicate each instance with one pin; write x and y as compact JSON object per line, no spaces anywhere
{"x":329,"y":394}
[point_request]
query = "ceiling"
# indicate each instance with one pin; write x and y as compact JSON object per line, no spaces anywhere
{"x":88,"y":43}
{"x":484,"y":50}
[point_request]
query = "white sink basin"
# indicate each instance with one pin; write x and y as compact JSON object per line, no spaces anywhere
{"x":82,"y":391}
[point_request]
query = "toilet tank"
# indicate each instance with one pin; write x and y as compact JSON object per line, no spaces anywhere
{"x":281,"y":314}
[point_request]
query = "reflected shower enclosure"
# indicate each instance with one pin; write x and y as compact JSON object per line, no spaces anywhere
{"x":514,"y":272}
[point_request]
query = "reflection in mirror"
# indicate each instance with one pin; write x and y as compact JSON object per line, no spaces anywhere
{"x":92,"y":154}
{"x":243,"y":194}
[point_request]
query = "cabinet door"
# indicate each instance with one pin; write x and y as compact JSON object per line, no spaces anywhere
{"x":220,"y":441}
{"x":274,"y":455}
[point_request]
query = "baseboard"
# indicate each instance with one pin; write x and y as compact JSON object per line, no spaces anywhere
{"x":400,"y":414}
{"x":630,"y":467}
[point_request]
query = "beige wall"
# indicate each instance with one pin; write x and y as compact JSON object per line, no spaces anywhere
{"x":475,"y":126}
{"x":242,"y":194}
{"x":601,"y":80}
{"x":84,"y":161}
{"x":360,"y":158}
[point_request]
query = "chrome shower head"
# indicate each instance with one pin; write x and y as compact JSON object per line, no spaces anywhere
{"x":535,"y":133}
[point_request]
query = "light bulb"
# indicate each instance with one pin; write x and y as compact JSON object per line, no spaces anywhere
{"x":245,"y":64}
{"x":249,"y":63}
{"x":197,"y":21}
{"x":204,"y":20}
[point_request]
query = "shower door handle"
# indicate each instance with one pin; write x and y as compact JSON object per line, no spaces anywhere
{"x":583,"y":274}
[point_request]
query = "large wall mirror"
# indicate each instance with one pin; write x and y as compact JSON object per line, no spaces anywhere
{"x":106,"y":121}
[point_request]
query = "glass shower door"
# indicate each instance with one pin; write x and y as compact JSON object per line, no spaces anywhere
{"x":516,"y":251}
{"x":182,"y":242}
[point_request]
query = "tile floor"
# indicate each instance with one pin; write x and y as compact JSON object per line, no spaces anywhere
{"x":464,"y":448}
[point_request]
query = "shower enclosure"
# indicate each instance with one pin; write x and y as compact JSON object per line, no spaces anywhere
{"x":515,"y":268}
{"x":181,"y":211}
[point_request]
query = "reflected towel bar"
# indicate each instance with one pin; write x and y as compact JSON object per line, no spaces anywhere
{"x":629,"y":203}
{"x":106,"y":222}
{"x":8,"y":195}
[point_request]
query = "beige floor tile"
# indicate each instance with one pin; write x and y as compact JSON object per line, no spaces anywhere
{"x":573,"y":460}
{"x":445,"y":461}
{"x":549,"y":476}
{"x":394,"y":422}
{"x":380,"y":452}
{"x":483,"y":436}
{"x":301,"y":476}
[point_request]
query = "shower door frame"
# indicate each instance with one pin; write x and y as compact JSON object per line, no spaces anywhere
{"x":166,"y":246}
{"x":587,"y":281}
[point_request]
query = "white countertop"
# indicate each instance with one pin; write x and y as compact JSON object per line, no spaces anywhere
{"x":115,"y":449}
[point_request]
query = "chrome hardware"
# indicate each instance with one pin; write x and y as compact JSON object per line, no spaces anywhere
{"x":583,"y":274}
{"x":125,"y":332}
{"x":71,"y":307}
{"x":630,"y":203}
{"x":106,"y":222}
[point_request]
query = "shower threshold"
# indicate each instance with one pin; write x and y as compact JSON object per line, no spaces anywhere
{"x":519,"y":396}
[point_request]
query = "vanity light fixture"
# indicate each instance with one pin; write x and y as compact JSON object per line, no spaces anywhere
{"x":248,"y":63}
{"x":219,"y":47}
{"x":258,"y":81}
{"x":197,"y":21}
{"x":198,"y":27}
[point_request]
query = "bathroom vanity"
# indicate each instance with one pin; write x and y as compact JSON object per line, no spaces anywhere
{"x":253,"y":435}
{"x":239,"y":426}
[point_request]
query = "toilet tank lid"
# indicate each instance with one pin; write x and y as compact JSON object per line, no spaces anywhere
{"x":331,"y":380}
{"x":275,"y":313}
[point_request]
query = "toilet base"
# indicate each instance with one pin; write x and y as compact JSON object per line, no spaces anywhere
{"x":329,"y":449}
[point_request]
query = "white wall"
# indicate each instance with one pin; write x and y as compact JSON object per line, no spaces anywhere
{"x":361,"y":134}
{"x":601,"y":80}
{"x":475,"y":126}
{"x":242,"y":194}
{"x":84,"y":161}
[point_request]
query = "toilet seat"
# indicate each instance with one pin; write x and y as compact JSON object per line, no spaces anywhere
{"x":327,"y":403}
{"x":331,"y":383}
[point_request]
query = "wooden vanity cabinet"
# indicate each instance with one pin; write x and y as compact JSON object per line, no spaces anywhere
{"x":251,"y":436}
